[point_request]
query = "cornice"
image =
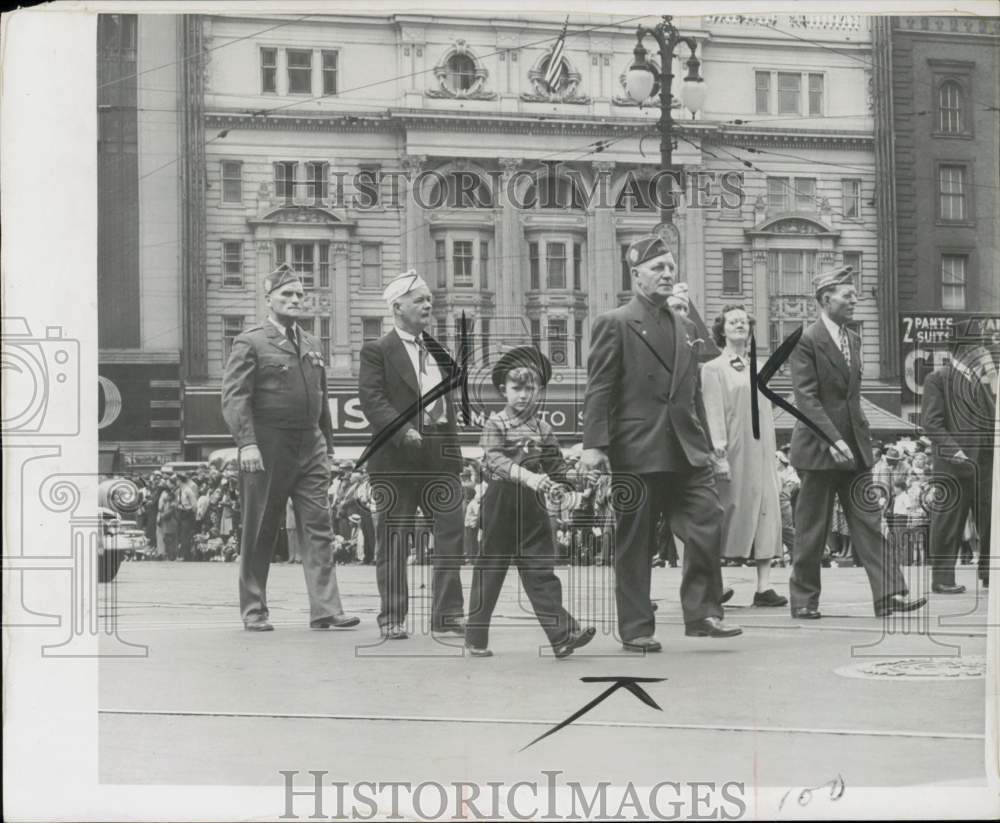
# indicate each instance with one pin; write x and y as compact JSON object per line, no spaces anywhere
{"x":399,"y":120}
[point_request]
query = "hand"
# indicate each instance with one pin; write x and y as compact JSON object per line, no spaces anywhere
{"x":413,"y":438}
{"x":841,"y":452}
{"x":595,"y":460}
{"x":720,"y":452}
{"x":545,"y":484}
{"x":250,"y":459}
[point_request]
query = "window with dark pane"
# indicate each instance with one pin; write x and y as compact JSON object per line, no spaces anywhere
{"x":299,"y":71}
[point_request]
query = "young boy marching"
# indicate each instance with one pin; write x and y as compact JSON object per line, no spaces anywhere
{"x":523,"y":457}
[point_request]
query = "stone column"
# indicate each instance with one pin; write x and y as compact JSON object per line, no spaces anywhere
{"x":761,"y":297}
{"x":602,"y":250}
{"x":693,"y":221}
{"x":413,"y":233}
{"x":263,"y":249}
{"x":509,"y":286}
{"x":340,"y":344}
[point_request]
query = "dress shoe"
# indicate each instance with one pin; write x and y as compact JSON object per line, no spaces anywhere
{"x":944,"y":588}
{"x":340,"y":621}
{"x":898,"y":603}
{"x":575,"y":641}
{"x":659,"y":563}
{"x":727,"y":594}
{"x":806,"y":613}
{"x":473,"y":651}
{"x":711,"y":627}
{"x":642,"y":644}
{"x":396,"y":632}
{"x":261,"y":625}
{"x":769,"y":598}
{"x":452,"y":627}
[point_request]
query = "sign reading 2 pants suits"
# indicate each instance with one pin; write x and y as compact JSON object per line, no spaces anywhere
{"x":925,"y":341}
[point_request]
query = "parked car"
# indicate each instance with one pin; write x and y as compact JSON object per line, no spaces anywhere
{"x":117,"y":537}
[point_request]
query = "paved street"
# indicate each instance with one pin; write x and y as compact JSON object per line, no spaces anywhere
{"x":212,"y":704}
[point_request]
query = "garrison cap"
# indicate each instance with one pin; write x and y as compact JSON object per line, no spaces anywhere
{"x":281,"y":276}
{"x":830,"y":279}
{"x":645,"y":248}
{"x":402,"y":284}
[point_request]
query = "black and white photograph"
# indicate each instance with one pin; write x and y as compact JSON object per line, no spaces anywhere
{"x":479,"y":411}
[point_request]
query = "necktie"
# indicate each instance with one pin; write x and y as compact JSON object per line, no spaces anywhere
{"x":845,"y":346}
{"x":290,"y":334}
{"x":435,"y":410}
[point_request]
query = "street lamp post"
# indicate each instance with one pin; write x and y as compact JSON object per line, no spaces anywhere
{"x":639,"y":83}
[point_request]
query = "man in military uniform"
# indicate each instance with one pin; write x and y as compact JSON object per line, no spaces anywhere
{"x":274,"y":403}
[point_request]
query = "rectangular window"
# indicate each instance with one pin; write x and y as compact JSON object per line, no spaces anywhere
{"x":953,"y":281}
{"x":232,"y":262}
{"x":284,"y":180}
{"x":371,"y":265}
{"x":790,"y":273}
{"x":557,"y":341}
{"x":462,"y":260}
{"x":232,"y":327}
{"x":533,"y":266}
{"x":805,"y":194}
{"x":308,"y":324}
{"x":777,"y":194}
{"x":303,"y":261}
{"x":299,"y":71}
{"x":951,"y":192}
{"x":577,"y":267}
{"x":269,"y":71}
{"x":789,"y":91}
{"x":732,"y":274}
{"x":441,"y":257}
{"x":816,"y":95}
{"x":484,"y":264}
{"x":578,"y":343}
{"x":852,"y":198}
{"x":324,"y":265}
{"x":316,"y":181}
{"x":626,"y":269}
{"x":324,"y":338}
{"x":232,"y":181}
{"x":536,"y":333}
{"x":330,"y":72}
{"x":484,"y":338}
{"x":371,"y":328}
{"x":555,"y":265}
{"x":853,"y":259}
{"x":763,"y":88}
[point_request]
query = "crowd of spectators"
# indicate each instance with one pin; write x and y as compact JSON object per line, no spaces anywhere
{"x":195,"y":515}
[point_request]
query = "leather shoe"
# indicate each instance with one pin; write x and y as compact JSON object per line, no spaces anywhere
{"x":806,"y":613}
{"x":395,"y":632}
{"x":769,"y":598}
{"x":340,"y":621}
{"x":727,"y":594}
{"x":659,"y":563}
{"x":944,"y":588}
{"x":453,"y":627}
{"x":711,"y":627}
{"x":642,"y":644}
{"x":476,"y":652}
{"x":575,"y":641}
{"x":898,"y":603}
{"x":261,"y":625}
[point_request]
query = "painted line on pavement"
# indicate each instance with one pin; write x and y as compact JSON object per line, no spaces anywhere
{"x":510,"y":721}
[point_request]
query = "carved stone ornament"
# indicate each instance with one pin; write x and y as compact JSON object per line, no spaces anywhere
{"x":566,"y":88}
{"x":443,"y":70}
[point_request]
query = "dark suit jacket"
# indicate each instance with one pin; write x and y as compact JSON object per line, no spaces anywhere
{"x":642,"y":393}
{"x":388,"y":386}
{"x":266,"y":383}
{"x":957,"y":414}
{"x":828,"y":392}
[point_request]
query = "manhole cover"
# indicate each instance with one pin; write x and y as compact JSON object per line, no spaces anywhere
{"x":918,"y":668}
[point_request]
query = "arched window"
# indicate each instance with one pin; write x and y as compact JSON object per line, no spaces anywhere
{"x":462,"y":190}
{"x":461,"y":72}
{"x":554,"y":193}
{"x":950,"y":117}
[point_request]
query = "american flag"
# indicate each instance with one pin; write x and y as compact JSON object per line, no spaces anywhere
{"x":554,"y":68}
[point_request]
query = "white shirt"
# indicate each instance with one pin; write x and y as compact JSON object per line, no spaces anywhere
{"x":831,"y":327}
{"x":432,"y":377}
{"x":284,"y":331}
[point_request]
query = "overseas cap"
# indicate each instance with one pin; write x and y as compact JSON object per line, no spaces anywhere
{"x":281,"y":276}
{"x":830,"y":279}
{"x":402,"y":284}
{"x":645,"y":248}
